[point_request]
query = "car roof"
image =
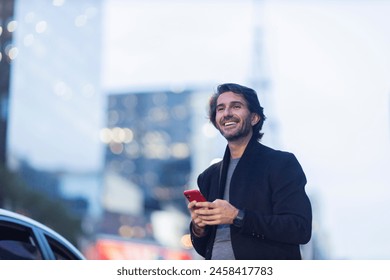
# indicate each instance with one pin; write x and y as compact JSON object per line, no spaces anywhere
{"x":34,"y":223}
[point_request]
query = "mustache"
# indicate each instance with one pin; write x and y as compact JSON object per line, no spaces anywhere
{"x":229,"y":119}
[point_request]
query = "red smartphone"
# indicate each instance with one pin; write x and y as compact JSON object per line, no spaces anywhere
{"x":192,"y":195}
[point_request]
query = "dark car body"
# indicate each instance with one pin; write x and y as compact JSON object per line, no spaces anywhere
{"x":22,"y":238}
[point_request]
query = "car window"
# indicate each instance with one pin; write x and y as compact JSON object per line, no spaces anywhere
{"x":17,"y":242}
{"x":60,"y":251}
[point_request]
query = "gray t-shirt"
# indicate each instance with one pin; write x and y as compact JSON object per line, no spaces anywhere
{"x":222,"y":249}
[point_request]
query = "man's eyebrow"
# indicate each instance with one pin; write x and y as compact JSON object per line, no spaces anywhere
{"x":237,"y":102}
{"x":231,"y":103}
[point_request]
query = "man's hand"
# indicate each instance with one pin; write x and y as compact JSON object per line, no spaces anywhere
{"x":198,"y":227}
{"x":218,"y":212}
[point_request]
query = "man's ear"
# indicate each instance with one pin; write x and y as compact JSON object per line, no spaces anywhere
{"x":255,"y":119}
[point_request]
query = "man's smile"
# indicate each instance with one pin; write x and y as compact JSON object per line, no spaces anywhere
{"x":229,"y":123}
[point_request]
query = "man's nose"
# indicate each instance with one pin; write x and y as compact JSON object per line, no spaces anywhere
{"x":227,"y":112}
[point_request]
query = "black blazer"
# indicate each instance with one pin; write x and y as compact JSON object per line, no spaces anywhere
{"x":270,"y":186}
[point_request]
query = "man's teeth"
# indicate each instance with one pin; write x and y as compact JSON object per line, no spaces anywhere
{"x":229,"y":123}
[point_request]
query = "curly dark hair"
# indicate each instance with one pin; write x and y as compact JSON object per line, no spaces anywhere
{"x":251,"y":98}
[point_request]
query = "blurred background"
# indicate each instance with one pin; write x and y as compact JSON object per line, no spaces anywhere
{"x":104,"y":121}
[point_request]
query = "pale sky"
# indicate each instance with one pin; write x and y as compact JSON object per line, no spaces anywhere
{"x":330,"y":68}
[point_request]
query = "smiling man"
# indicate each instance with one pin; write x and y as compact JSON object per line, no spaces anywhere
{"x":257,"y":207}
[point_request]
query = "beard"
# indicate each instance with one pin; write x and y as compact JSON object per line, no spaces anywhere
{"x":238,"y":133}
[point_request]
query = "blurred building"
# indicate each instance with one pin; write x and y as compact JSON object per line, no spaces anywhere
{"x":82,"y":188}
{"x":147,"y":162}
{"x":55,"y":74}
{"x":53,"y":87}
{"x":148,"y":144}
{"x":55,"y":105}
{"x":7,"y":27}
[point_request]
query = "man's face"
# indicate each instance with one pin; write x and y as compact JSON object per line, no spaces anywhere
{"x":233,"y":118}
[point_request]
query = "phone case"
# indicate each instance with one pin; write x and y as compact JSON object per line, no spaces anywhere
{"x":192,"y":195}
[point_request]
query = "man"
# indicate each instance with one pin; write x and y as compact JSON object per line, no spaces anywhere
{"x":256,"y":205}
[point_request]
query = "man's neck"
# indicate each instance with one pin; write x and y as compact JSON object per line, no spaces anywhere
{"x":238,"y":147}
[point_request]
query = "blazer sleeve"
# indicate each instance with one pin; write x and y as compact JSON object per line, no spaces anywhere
{"x":291,"y":217}
{"x":200,"y":243}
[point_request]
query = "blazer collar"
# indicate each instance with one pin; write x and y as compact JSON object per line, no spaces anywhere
{"x":226,"y":160}
{"x":248,"y":150}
